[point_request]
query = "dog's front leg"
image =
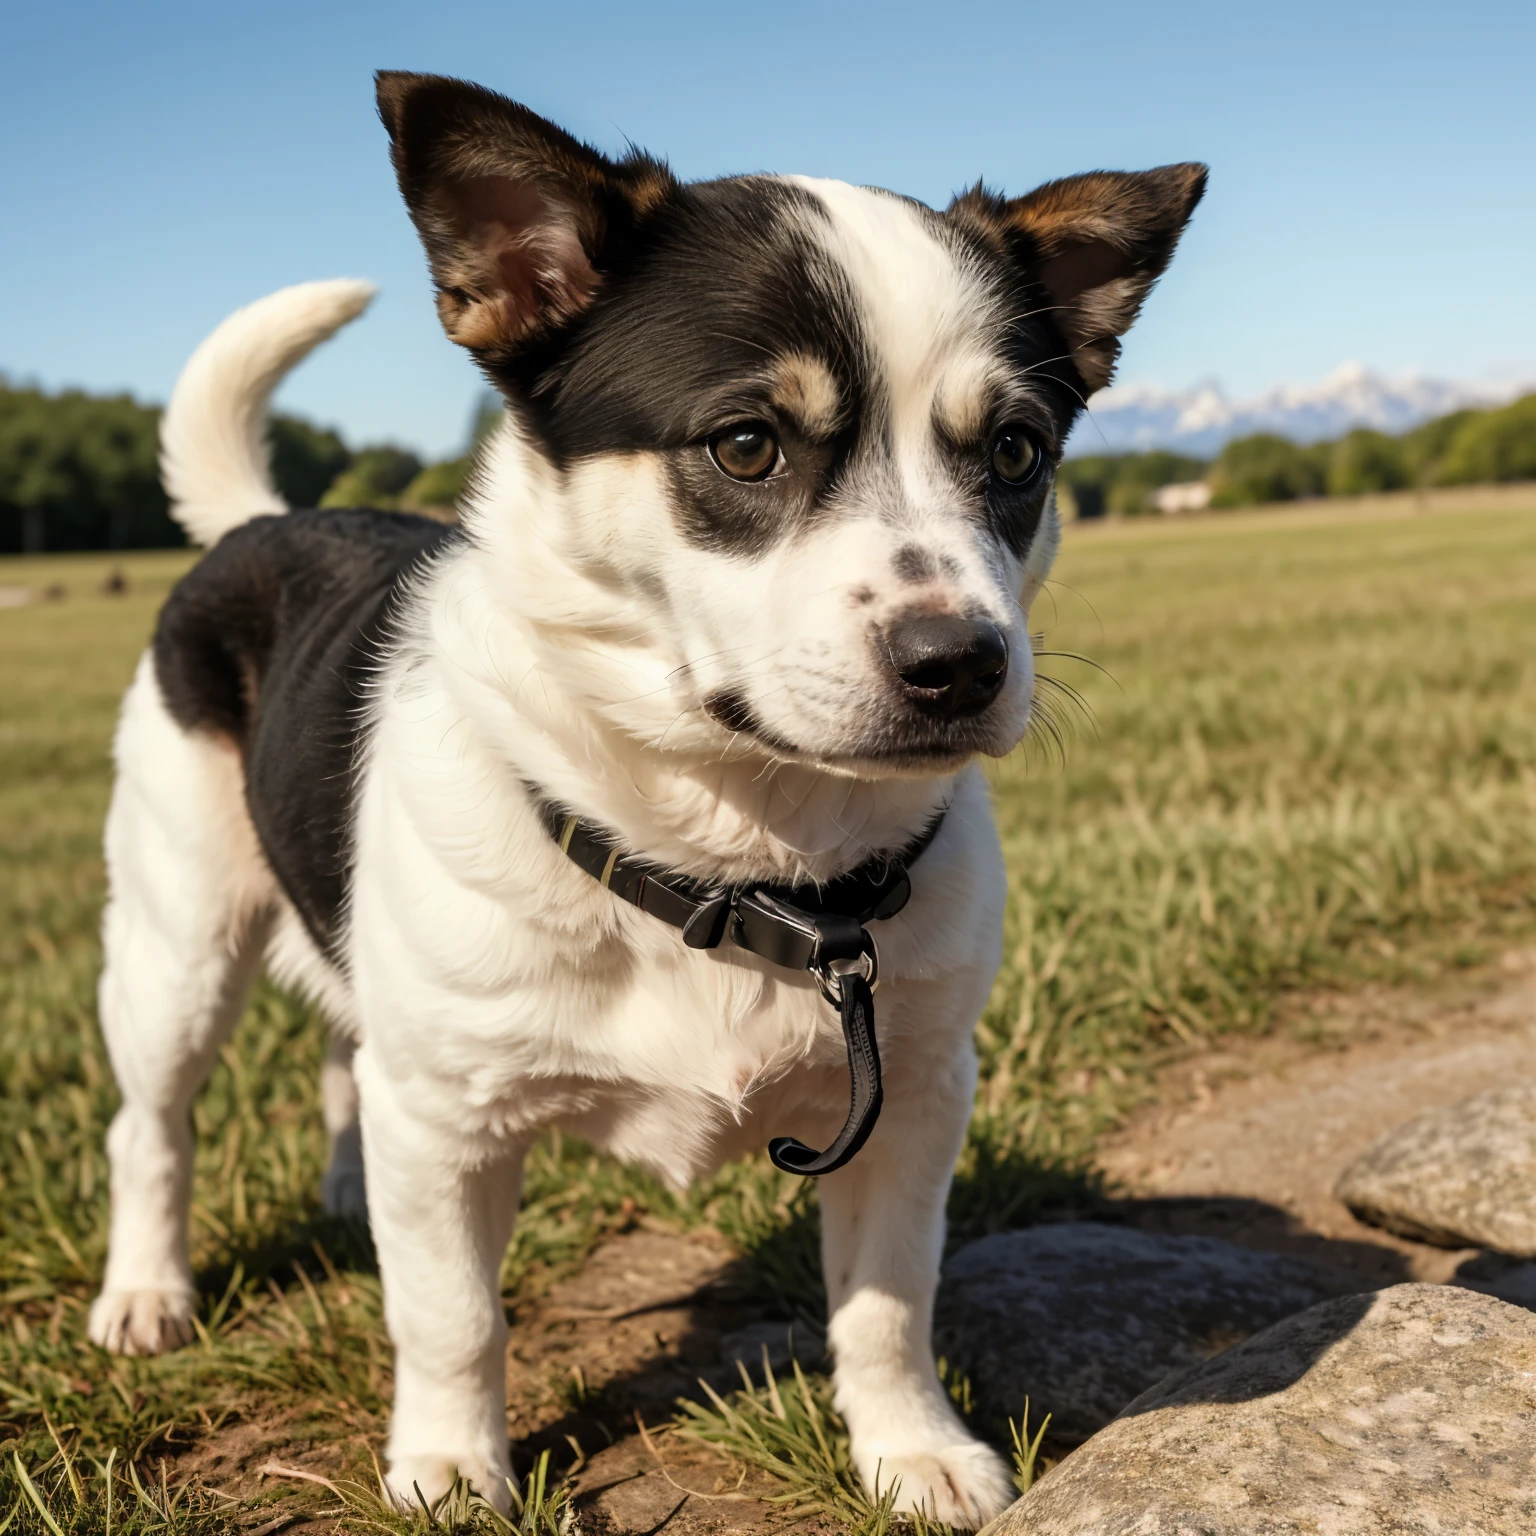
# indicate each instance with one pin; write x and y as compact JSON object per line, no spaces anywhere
{"x":442,"y":1211}
{"x":882,"y":1222}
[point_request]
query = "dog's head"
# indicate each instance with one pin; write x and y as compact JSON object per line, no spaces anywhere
{"x":805,"y":433}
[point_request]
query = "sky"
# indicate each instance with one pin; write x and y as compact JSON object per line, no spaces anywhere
{"x":1372,"y":197}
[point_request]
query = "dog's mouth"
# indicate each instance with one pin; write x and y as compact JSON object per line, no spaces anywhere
{"x":914,"y":745}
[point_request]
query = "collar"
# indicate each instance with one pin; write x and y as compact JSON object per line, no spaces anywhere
{"x":812,"y":927}
{"x":769,"y":918}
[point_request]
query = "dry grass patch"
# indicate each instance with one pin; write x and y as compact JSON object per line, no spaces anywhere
{"x":1311,"y":762}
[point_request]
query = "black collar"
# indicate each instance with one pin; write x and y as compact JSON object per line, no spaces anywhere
{"x":704,"y":910}
{"x":803,"y":927}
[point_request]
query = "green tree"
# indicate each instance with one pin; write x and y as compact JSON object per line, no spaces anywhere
{"x":1265,"y":467}
{"x":1424,"y":446}
{"x":1138,"y":475}
{"x":80,"y":472}
{"x":1087,"y":481}
{"x":438,"y":487}
{"x":1123,"y":483}
{"x":1492,"y":447}
{"x":376,"y":477}
{"x":1363,"y":463}
{"x":306,"y":459}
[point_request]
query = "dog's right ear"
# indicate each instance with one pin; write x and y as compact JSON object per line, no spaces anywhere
{"x":519,"y":220}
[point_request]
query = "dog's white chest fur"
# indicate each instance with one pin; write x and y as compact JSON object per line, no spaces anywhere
{"x":503,"y":988}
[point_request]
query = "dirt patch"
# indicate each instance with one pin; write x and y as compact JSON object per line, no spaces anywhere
{"x":1247,"y":1141}
{"x":686,"y":1488}
{"x":650,"y":1313}
{"x":631,"y":1332}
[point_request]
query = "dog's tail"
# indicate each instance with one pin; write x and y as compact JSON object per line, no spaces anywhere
{"x":213,"y":448}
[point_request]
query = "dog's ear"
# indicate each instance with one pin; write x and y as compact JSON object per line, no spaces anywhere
{"x":1095,"y":244}
{"x":519,"y":220}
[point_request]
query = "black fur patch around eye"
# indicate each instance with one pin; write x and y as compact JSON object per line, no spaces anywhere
{"x":684,"y":341}
{"x":695,"y":317}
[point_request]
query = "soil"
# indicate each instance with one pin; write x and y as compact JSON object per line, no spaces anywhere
{"x":609,"y":1349}
{"x":1246,"y":1141}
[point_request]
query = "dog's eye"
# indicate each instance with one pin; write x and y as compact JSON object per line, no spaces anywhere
{"x":747,"y":451}
{"x":1014,"y":455}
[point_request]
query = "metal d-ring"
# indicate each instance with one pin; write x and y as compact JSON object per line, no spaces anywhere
{"x":866,"y":963}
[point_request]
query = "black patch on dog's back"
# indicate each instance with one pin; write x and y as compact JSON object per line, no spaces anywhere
{"x":269,"y":640}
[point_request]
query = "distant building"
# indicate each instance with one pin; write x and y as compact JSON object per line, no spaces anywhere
{"x":1190,"y":496}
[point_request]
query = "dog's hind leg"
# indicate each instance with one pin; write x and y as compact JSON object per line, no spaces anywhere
{"x":183,"y":932}
{"x":344,"y":1191}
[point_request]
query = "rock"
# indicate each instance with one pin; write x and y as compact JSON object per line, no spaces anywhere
{"x":1463,"y":1176}
{"x":1082,"y":1317}
{"x":1409,"y":1412}
{"x":1495,"y":1274}
{"x":783,"y":1342}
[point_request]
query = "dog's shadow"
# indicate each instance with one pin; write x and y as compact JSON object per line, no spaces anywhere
{"x":776,"y":1280}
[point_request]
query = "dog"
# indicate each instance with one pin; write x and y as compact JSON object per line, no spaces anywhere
{"x":741,"y":595}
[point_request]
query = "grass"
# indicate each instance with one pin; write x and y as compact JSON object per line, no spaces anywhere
{"x":792,"y":1432}
{"x":1307,"y":758}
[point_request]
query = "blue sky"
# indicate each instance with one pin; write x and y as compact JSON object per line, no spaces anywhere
{"x":1373,"y":191}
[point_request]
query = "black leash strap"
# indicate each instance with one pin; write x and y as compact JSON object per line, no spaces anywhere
{"x":857,"y":1006}
{"x":820,"y":929}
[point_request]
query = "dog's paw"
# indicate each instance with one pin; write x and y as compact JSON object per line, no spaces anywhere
{"x":964,"y":1485}
{"x":141,"y":1322}
{"x":412,"y":1479}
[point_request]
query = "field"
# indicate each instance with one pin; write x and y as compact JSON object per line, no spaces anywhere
{"x":1288,"y":750}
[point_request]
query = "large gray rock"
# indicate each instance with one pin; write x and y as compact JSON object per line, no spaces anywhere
{"x":1463,"y":1176}
{"x":1083,"y":1316}
{"x":1410,"y":1412}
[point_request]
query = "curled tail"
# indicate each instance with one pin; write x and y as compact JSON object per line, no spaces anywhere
{"x":213,"y":448}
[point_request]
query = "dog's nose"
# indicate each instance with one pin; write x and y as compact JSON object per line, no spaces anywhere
{"x":947,"y":666}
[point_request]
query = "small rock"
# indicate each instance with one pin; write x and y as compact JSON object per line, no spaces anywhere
{"x":1463,"y":1176}
{"x":1083,"y":1316}
{"x":784,"y":1342}
{"x":1408,"y":1412}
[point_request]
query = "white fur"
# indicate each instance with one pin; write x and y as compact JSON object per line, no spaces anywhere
{"x":493,"y":989}
{"x":213,"y":451}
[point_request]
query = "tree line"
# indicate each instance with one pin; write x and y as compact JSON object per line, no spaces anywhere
{"x":1469,"y":447}
{"x":81,"y":471}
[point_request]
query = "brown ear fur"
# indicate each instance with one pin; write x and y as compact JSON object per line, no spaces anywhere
{"x":518,"y":218}
{"x":1096,"y":244}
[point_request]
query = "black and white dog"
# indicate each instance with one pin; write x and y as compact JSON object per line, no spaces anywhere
{"x":741,"y":594}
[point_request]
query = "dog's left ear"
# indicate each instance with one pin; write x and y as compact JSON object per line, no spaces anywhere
{"x":520,"y":221}
{"x":1095,"y":244}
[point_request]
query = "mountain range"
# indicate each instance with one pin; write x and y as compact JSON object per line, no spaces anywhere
{"x":1132,"y":417}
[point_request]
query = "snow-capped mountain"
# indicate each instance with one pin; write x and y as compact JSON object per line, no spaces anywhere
{"x":1200,"y":420}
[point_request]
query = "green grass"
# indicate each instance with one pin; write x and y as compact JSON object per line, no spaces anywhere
{"x":1309,"y":759}
{"x":791,"y":1431}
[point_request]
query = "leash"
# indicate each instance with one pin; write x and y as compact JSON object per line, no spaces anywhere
{"x":817,"y":928}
